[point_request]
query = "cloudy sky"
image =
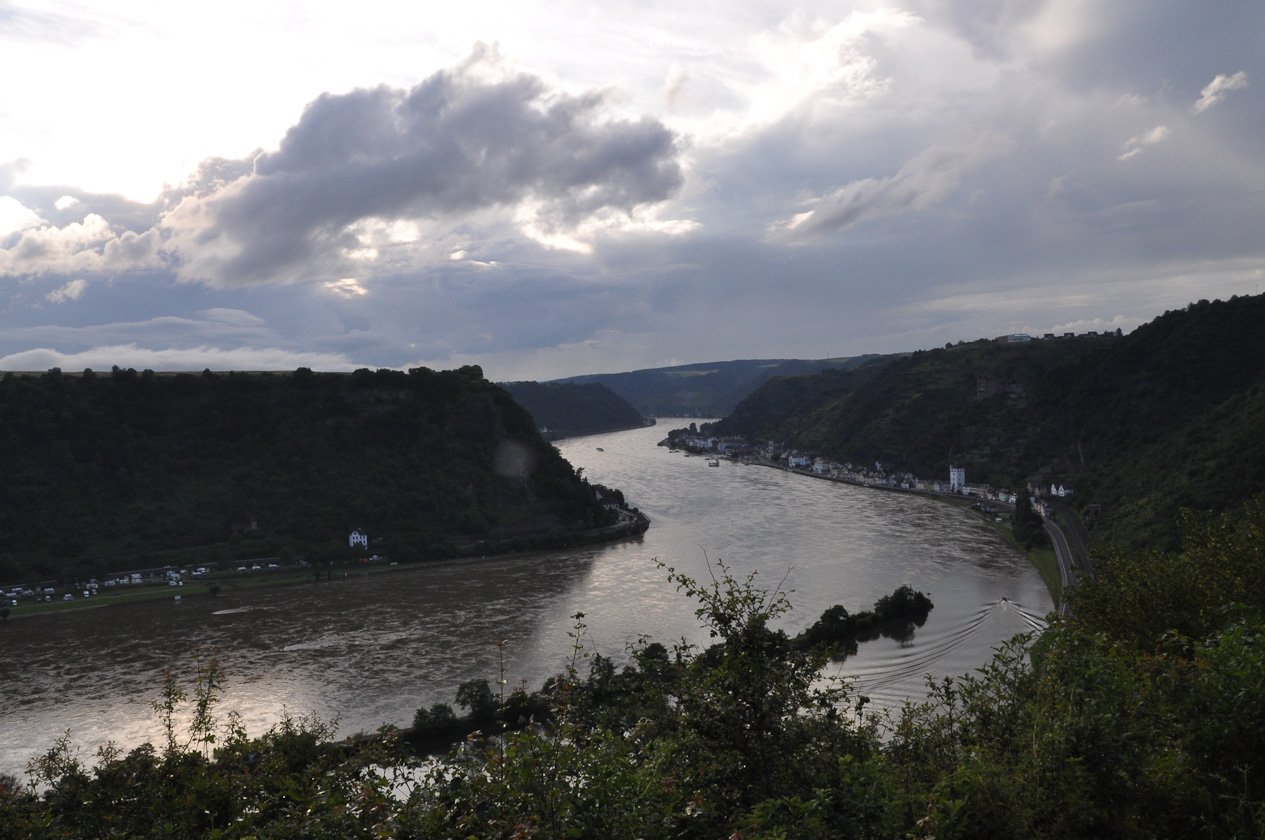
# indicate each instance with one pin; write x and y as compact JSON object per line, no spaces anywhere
{"x":556,"y":188}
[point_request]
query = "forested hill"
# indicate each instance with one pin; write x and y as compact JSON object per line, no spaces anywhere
{"x":1143,"y":425}
{"x":705,"y":389}
{"x":570,"y":409}
{"x":103,"y":471}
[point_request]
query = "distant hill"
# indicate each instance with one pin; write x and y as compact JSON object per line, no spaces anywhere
{"x":569,"y":409}
{"x":103,"y":471}
{"x":705,"y":389}
{"x":1167,"y":417}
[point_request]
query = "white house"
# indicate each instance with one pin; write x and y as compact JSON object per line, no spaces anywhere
{"x":358,"y":538}
{"x":957,"y":479}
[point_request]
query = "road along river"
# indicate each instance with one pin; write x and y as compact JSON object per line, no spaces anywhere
{"x":370,"y":650}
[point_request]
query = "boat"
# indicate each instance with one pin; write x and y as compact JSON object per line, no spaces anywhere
{"x":600,"y":449}
{"x":714,"y":462}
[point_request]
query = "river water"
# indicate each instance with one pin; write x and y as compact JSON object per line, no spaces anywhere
{"x":370,"y":650}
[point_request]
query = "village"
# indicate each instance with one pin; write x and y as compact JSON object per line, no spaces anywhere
{"x":776,"y":454}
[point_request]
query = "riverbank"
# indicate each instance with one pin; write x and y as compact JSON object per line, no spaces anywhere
{"x":632,"y":525}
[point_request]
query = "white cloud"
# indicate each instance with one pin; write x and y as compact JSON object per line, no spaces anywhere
{"x":88,"y":246}
{"x":173,"y":359}
{"x":1136,"y":144}
{"x":70,"y":291}
{"x":233,"y":317}
{"x":65,"y":202}
{"x":347,"y":288}
{"x":812,"y":61}
{"x":15,"y":217}
{"x":1217,"y":89}
{"x":921,"y":183}
{"x":218,"y":327}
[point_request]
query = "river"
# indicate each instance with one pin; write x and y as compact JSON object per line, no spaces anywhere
{"x":370,"y":650}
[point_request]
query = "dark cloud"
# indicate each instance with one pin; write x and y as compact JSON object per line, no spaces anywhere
{"x":1150,"y":47}
{"x":465,"y":140}
{"x":1136,"y":45}
{"x":987,"y":25}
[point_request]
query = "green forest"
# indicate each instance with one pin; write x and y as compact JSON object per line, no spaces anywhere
{"x":703,"y":389}
{"x":564,"y":410}
{"x":117,"y":470}
{"x":1144,"y":425}
{"x":1136,"y":717}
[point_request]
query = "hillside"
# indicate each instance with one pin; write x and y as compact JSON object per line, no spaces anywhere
{"x":116,"y":470}
{"x":570,"y":409}
{"x":704,"y":389}
{"x":1165,"y":418}
{"x":919,"y":412}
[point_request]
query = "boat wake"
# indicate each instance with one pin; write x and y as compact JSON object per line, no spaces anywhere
{"x":893,"y":675}
{"x":236,"y":610}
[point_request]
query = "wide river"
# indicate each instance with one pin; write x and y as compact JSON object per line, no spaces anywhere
{"x":370,"y":650}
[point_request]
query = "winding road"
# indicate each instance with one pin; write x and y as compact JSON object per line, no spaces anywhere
{"x":1073,"y":562}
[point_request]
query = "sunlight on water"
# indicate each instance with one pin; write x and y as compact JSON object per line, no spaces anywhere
{"x":370,"y":650}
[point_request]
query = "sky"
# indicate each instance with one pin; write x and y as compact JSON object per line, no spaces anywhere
{"x":558,"y":188}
